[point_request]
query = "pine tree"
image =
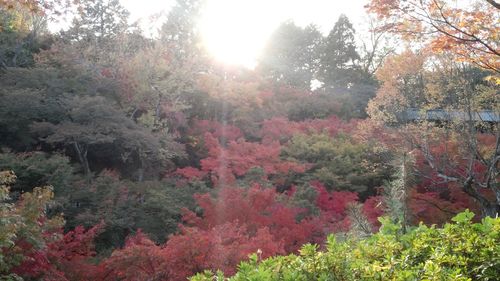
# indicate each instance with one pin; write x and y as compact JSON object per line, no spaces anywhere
{"x":338,"y":67}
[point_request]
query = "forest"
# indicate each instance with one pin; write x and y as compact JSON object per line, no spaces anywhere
{"x":339,"y":156}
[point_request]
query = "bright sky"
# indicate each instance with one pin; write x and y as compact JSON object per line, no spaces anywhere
{"x":235,"y":31}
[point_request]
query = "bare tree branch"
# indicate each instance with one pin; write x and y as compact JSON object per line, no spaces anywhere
{"x":494,"y":3}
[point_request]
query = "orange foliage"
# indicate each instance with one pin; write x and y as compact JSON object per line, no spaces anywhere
{"x":471,"y":31}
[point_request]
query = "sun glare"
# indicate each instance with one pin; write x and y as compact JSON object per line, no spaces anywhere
{"x":235,"y":31}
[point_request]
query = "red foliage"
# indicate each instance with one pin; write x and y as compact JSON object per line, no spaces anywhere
{"x":35,"y":263}
{"x":220,"y":247}
{"x":373,"y":208}
{"x":236,"y":223}
{"x":255,"y":208}
{"x":336,"y":202}
{"x":191,"y":173}
{"x":333,"y":206}
{"x":139,"y":260}
{"x":438,"y":196}
{"x":71,"y":254}
{"x":230,"y":156}
{"x":438,"y":207}
{"x":225,"y":164}
{"x":65,"y":258}
{"x":217,"y":130}
{"x":368,"y":129}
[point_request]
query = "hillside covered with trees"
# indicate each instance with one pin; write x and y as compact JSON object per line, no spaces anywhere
{"x":133,"y":157}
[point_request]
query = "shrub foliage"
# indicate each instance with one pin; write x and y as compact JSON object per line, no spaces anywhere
{"x":461,"y":250}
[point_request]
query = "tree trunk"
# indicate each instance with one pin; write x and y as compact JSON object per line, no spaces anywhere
{"x":81,"y":151}
{"x":140,"y":172}
{"x":488,"y":208}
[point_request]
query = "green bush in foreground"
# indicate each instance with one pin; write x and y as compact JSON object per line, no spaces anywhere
{"x":459,"y":251}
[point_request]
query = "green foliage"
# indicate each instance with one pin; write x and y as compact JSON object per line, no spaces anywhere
{"x":291,"y":56}
{"x":305,"y":198}
{"x":96,"y":128}
{"x":314,"y":106}
{"x":340,"y":162}
{"x":38,"y":169}
{"x":78,"y":112}
{"x":459,"y":251}
{"x":338,"y":62}
{"x":22,"y":35}
{"x":255,"y":175}
{"x":125,"y":206}
{"x":40,"y":94}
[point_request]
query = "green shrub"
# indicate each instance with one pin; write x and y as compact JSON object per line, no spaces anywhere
{"x":340,"y":162}
{"x":461,"y":250}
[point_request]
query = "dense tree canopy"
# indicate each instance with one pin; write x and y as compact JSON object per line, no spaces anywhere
{"x":133,"y":156}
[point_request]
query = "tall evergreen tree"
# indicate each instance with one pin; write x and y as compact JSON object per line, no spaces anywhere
{"x":338,"y":67}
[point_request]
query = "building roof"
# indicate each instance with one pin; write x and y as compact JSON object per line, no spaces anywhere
{"x":413,"y":114}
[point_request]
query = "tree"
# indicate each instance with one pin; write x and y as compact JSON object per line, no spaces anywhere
{"x":283,"y":130}
{"x":403,"y":86}
{"x":396,"y":193}
{"x":157,"y":78}
{"x":180,"y":34}
{"x":376,"y":47}
{"x":235,"y":223}
{"x":99,"y":22}
{"x":22,"y":35}
{"x":230,"y":157}
{"x":38,"y":169}
{"x":291,"y":56}
{"x":258,"y":207}
{"x":27,"y":97}
{"x":470,"y":31}
{"x":338,"y":65}
{"x":459,"y":148}
{"x":339,"y":162}
{"x":24,"y":229}
{"x":342,"y":71}
{"x":92,"y":123}
{"x":140,"y":259}
{"x":153,"y":84}
{"x":155,"y":207}
{"x":218,"y":248}
{"x":73,"y":252}
{"x":36,"y":6}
